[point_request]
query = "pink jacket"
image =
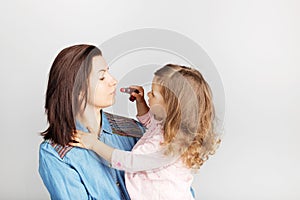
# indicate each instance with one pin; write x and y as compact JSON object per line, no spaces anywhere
{"x":149,"y":173}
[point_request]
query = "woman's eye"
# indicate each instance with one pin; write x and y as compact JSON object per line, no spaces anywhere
{"x":102,"y":75}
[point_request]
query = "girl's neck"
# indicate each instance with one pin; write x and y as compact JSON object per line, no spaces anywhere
{"x":91,"y":118}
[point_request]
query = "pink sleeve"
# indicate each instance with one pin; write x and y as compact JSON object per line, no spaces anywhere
{"x":145,"y":119}
{"x":134,"y":162}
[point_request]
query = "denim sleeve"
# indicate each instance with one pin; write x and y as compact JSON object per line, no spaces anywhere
{"x":61,"y":180}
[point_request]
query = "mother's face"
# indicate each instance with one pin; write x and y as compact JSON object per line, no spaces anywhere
{"x":102,"y":86}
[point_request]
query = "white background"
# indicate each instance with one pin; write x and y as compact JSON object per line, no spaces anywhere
{"x":254,"y":44}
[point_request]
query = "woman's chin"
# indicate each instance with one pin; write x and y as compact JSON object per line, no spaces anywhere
{"x":112,"y":102}
{"x":107,"y":104}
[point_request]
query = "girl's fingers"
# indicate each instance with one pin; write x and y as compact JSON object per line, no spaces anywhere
{"x":75,"y":139}
{"x":76,"y":135}
{"x":75,"y":144}
{"x":90,"y":129}
{"x":79,"y":133}
{"x":137,"y":95}
{"x":139,"y":88}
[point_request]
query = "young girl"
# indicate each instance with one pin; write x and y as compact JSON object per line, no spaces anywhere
{"x":179,"y":137}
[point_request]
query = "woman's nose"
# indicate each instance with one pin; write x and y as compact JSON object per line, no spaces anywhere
{"x":113,"y":81}
{"x":148,"y":94}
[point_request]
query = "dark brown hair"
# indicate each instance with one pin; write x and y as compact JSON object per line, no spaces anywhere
{"x":67,"y":91}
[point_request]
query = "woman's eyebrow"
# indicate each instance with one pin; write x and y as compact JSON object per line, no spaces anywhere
{"x":104,"y":70}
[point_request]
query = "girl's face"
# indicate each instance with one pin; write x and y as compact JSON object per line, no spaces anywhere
{"x":156,"y":102}
{"x":102,"y":86}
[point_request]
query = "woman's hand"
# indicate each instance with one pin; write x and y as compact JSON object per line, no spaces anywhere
{"x":84,"y":140}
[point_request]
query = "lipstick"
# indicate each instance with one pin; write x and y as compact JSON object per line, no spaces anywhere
{"x":129,"y":91}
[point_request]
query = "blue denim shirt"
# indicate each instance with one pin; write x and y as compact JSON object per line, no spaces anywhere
{"x":78,"y":173}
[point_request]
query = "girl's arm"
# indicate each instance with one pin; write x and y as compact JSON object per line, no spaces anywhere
{"x":143,"y":114}
{"x":141,"y":105}
{"x":103,"y":150}
{"x":133,"y":162}
{"x":123,"y":160}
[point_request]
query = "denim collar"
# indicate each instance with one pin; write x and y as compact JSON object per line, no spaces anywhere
{"x":105,"y":124}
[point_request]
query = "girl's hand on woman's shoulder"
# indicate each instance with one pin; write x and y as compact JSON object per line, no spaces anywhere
{"x":84,"y":140}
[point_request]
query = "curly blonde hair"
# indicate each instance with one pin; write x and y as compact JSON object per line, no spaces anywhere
{"x":189,"y":123}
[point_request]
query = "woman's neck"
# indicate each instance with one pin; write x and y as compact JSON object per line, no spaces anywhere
{"x":91,"y":119}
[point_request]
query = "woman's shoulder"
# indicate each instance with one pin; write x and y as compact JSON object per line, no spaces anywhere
{"x":50,"y":148}
{"x":125,"y":126}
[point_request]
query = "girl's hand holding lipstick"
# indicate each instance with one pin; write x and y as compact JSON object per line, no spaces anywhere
{"x":137,"y":93}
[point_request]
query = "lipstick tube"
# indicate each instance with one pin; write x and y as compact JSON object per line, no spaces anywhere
{"x":129,"y":91}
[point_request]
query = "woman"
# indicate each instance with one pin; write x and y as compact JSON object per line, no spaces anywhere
{"x":79,"y":87}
